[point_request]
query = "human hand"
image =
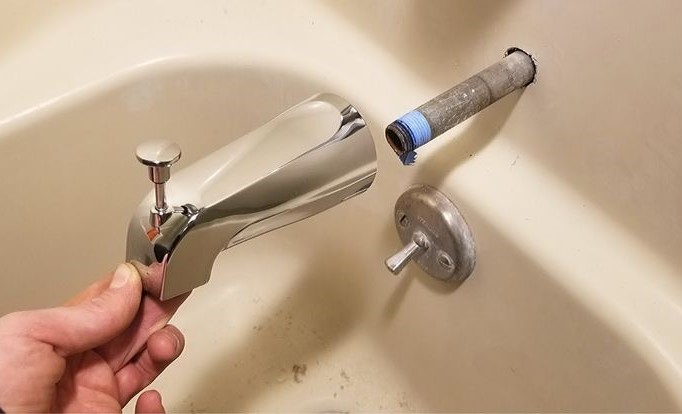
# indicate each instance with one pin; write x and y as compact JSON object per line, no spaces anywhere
{"x":94,"y":353}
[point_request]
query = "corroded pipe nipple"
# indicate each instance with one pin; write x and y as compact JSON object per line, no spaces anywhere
{"x":414,"y":129}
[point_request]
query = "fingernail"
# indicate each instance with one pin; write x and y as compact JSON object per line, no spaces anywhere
{"x":121,"y":277}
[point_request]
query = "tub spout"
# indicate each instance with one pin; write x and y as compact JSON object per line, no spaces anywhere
{"x":308,"y":159}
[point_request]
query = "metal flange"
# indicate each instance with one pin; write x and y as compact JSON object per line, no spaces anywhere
{"x":435,"y":235}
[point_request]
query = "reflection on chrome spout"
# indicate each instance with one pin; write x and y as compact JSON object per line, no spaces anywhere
{"x":308,"y":159}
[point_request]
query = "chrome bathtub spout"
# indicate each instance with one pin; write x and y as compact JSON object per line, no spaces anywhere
{"x":310,"y":158}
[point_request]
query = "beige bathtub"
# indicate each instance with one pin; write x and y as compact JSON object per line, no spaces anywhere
{"x":571,"y":189}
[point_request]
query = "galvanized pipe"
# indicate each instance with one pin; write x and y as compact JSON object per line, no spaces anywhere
{"x":416,"y":128}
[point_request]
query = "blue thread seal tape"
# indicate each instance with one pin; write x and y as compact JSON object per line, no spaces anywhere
{"x":418,"y":128}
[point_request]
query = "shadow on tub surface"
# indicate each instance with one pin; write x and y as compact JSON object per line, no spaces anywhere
{"x":287,"y":344}
{"x":520,"y":342}
{"x":509,"y":339}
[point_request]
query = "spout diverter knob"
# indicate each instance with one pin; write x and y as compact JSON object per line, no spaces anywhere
{"x":158,"y":156}
{"x":158,"y":153}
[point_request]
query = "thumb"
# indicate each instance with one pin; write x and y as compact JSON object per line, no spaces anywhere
{"x":87,"y":325}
